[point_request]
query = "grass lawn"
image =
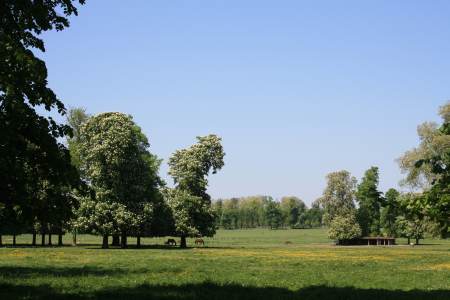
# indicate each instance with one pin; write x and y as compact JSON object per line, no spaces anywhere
{"x":240,"y":264}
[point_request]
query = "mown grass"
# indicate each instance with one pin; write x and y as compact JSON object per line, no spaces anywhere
{"x":244,"y":264}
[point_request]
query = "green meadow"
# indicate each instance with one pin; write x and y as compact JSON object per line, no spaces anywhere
{"x":235,"y":264}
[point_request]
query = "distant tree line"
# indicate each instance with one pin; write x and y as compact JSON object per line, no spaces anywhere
{"x":264,"y":211}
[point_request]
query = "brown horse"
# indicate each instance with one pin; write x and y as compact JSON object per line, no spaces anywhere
{"x":171,"y":242}
{"x":199,"y":241}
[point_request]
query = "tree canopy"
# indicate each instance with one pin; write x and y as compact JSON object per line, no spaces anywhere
{"x":190,"y":167}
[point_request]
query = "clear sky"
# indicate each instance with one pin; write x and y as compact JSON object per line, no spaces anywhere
{"x":296,"y":89}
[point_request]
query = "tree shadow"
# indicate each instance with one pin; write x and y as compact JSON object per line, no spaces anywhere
{"x":209,"y":291}
{"x":39,"y":246}
{"x":154,"y":246}
{"x":16,"y":272}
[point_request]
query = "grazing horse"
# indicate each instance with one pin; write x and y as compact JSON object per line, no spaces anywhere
{"x":171,"y":242}
{"x":199,"y":242}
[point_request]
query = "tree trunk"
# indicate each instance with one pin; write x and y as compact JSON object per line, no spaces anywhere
{"x":49,"y":239}
{"x":14,"y":240}
{"x":105,"y":242}
{"x":124,"y":241}
{"x":183,"y":242}
{"x":60,"y":239}
{"x":417,"y":241}
{"x":33,"y":242}
{"x":444,"y":230}
{"x":74,"y":238}
{"x":138,"y":241}
{"x":1,"y":241}
{"x":115,"y":240}
{"x":43,"y":239}
{"x":409,"y":241}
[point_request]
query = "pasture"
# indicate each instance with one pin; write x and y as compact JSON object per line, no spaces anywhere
{"x":239,"y":264}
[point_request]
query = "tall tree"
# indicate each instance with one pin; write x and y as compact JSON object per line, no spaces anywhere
{"x":338,"y":196}
{"x":121,"y":171}
{"x":431,"y":162}
{"x":274,"y":215}
{"x":370,"y":200}
{"x":30,"y":150}
{"x":189,"y":169}
{"x":76,"y":118}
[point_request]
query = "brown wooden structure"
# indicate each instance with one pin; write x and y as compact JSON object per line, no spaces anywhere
{"x":379,"y":241}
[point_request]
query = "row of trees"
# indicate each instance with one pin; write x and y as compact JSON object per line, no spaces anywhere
{"x":119,"y":192}
{"x":352,"y":210}
{"x":263,"y":211}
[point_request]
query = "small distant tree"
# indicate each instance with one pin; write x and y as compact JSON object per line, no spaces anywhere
{"x":230,"y":214}
{"x":410,"y":229}
{"x":217,"y":207}
{"x":292,"y":208}
{"x":274,"y":215}
{"x":344,"y":227}
{"x":313,"y":216}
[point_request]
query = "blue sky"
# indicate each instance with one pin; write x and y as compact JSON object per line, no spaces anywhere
{"x":296,"y":89}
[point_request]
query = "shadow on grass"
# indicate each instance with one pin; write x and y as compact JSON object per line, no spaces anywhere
{"x":155,"y":246}
{"x":214,"y":291}
{"x":25,"y":246}
{"x":15,"y":272}
{"x":92,"y":246}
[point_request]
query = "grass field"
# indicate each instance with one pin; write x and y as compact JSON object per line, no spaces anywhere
{"x":241,"y":264}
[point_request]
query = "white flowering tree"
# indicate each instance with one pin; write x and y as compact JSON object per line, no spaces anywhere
{"x":344,"y":227}
{"x":189,"y":202}
{"x":121,"y":172}
{"x":338,"y":198}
